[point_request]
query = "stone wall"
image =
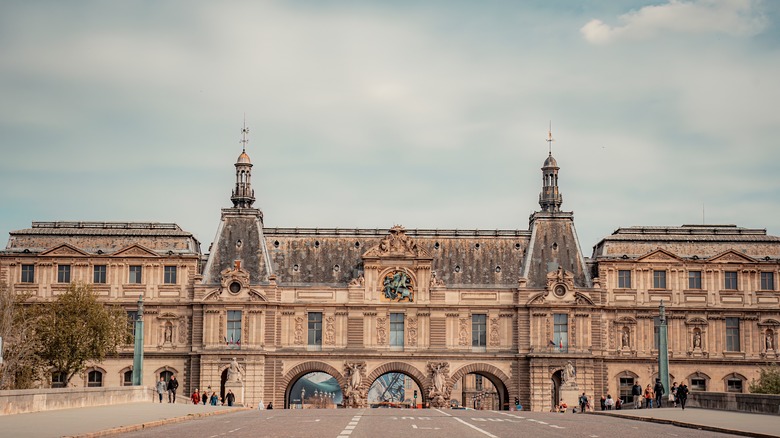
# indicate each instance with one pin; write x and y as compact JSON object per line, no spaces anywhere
{"x":34,"y":400}
{"x":752,"y":403}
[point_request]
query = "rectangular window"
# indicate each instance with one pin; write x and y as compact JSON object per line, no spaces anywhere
{"x":659,"y":279}
{"x":94,"y":379}
{"x":233,"y":338}
{"x":732,"y":334}
{"x":734,"y":385}
{"x":63,"y":274}
{"x":28,"y":273}
{"x":767,"y":281}
{"x":561,"y":331}
{"x":131,"y":316}
{"x":698,"y":384}
{"x":624,"y":279}
{"x":694,"y":279}
{"x":99,"y":276}
{"x":730,"y":282}
{"x":127,"y":379}
{"x":478,"y":330}
{"x":170,"y":275}
{"x":626,"y":383}
{"x":57,"y":380}
{"x":478,"y":382}
{"x":135,"y":274}
{"x":315,"y":328}
{"x":656,"y":332}
{"x":396,"y":329}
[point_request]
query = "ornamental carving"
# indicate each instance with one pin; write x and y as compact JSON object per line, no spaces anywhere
{"x":463,"y":332}
{"x":397,"y":244}
{"x":381,"y":330}
{"x":494,"y":338}
{"x":330,"y":330}
{"x":299,"y":330}
{"x":355,"y":393}
{"x":397,"y":286}
{"x":412,"y":329}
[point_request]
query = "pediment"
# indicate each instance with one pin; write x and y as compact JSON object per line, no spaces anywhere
{"x":135,"y":251}
{"x":696,"y":321}
{"x":397,"y":245}
{"x":731,"y":256}
{"x":625,"y":320}
{"x":64,"y":250}
{"x":659,"y":255}
{"x":769,"y":322}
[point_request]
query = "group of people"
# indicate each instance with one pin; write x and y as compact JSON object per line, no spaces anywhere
{"x":608,"y":403}
{"x":653,"y":396}
{"x":213,"y":399}
{"x":170,"y":387}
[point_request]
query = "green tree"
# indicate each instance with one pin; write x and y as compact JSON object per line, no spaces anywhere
{"x":768,"y":382}
{"x":76,"y":328}
{"x":22,"y":366}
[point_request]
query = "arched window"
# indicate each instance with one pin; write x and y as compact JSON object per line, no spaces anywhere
{"x":58,"y":379}
{"x":94,"y":379}
{"x":166,"y":375}
{"x":127,"y":378}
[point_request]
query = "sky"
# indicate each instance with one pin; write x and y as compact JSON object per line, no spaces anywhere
{"x":369,"y":114}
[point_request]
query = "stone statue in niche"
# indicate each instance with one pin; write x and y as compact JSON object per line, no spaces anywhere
{"x":568,"y":374}
{"x":625,"y":341}
{"x":770,"y":340}
{"x":168,"y":337}
{"x":234,"y":371}
{"x":696,"y":339}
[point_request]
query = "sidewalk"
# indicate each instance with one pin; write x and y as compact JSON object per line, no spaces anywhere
{"x":737,"y":423}
{"x":103,"y":420}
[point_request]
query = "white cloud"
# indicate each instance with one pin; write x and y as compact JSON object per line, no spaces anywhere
{"x":730,"y":17}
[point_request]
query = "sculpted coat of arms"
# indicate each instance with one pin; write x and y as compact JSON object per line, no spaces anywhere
{"x":397,"y":286}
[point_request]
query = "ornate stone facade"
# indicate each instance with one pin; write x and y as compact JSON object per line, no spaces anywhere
{"x":524,"y":309}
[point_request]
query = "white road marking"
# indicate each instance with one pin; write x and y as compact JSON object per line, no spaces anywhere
{"x":443,"y":413}
{"x":476,"y":428}
{"x":556,"y":426}
{"x":414,"y":426}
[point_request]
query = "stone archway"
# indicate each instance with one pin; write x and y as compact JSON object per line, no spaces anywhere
{"x":404,"y":368}
{"x":302,"y":369}
{"x":497,"y":377}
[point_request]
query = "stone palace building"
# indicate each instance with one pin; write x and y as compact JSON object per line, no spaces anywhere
{"x":525,"y":311}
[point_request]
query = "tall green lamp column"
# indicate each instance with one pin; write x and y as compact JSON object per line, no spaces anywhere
{"x":663,"y":351}
{"x":138,"y":353}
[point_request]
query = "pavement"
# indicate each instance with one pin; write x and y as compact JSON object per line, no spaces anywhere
{"x":92,"y":422}
{"x":736,"y":423}
{"x":101,"y":421}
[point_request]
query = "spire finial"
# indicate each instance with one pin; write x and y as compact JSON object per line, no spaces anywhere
{"x":244,"y":135}
{"x":549,"y":139}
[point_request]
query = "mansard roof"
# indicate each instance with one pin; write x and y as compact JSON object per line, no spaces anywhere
{"x":468,"y":258}
{"x":103,"y":237}
{"x":688,"y":241}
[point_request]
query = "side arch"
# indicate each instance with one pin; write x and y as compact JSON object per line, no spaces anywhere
{"x":497,"y":377}
{"x":304,"y":368}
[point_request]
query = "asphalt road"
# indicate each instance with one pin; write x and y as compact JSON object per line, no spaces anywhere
{"x":410,"y":423}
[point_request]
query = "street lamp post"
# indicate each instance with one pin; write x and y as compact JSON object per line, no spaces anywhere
{"x":138,"y":352}
{"x":303,"y":394}
{"x":663,"y":350}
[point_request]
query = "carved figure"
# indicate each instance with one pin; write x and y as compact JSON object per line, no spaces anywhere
{"x":462,"y":332}
{"x":330,"y":330}
{"x":234,"y":371}
{"x":354,"y":376}
{"x":770,"y":342}
{"x":412,"y":332}
{"x":299,"y":330}
{"x":168,"y":333}
{"x":436,"y":281}
{"x":625,"y":338}
{"x":397,"y":286}
{"x":381,"y":330}
{"x":438,"y":378}
{"x":569,"y":373}
{"x":696,"y":339}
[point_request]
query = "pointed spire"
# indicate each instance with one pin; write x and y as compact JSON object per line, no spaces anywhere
{"x":550,"y":198}
{"x":243,"y":196}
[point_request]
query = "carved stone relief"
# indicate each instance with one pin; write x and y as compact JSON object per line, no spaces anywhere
{"x":299,"y":330}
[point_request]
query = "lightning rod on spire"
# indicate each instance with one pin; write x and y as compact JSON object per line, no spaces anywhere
{"x":549,"y":139}
{"x":244,"y":135}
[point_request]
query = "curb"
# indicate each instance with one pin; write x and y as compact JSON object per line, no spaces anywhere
{"x":687,"y":425}
{"x":156,"y":423}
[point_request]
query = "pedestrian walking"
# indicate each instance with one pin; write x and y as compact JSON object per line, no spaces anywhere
{"x":173,"y":385}
{"x":682,"y":395}
{"x":583,"y":403}
{"x":270,"y":405}
{"x":214,"y":399}
{"x":603,"y":403}
{"x":659,"y":391}
{"x":161,"y":388}
{"x":205,"y":397}
{"x":673,"y":394}
{"x":609,"y":402}
{"x":230,"y":397}
{"x":195,"y":397}
{"x":636,"y":392}
{"x":649,"y":397}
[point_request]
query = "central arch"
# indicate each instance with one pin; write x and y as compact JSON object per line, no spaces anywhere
{"x":404,"y":368}
{"x":302,"y":369}
{"x":497,"y":377}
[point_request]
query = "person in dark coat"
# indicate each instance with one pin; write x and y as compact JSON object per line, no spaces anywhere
{"x":173,"y":385}
{"x":230,"y":397}
{"x":682,"y":395}
{"x":659,"y":392}
{"x":270,"y":405}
